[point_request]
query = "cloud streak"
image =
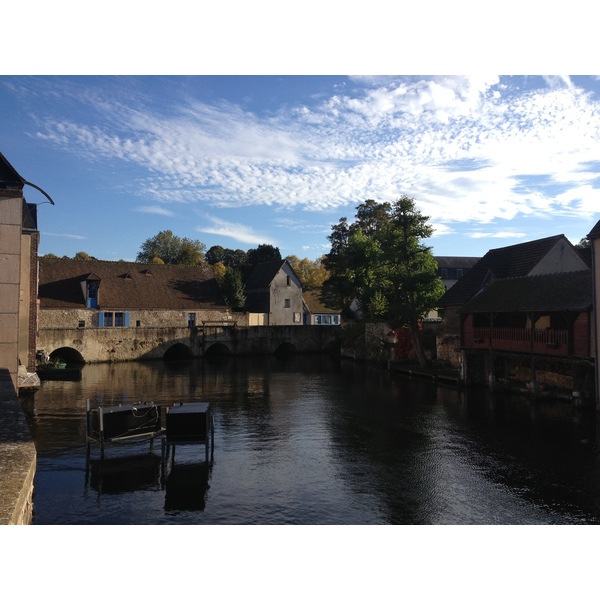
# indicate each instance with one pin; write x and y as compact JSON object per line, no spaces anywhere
{"x":237,"y":231}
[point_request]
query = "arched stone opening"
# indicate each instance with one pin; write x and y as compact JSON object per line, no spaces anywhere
{"x":178,"y":352}
{"x":217,"y":350}
{"x":285,"y":349}
{"x":68,"y":355}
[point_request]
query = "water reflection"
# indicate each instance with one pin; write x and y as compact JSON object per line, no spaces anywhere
{"x":317,"y":440}
{"x":124,"y":474}
{"x":186,"y":487}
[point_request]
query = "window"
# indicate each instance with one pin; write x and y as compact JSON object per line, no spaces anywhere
{"x":81,"y":323}
{"x":289,"y":281}
{"x":116,"y":319}
{"x":444,"y":273}
{"x":138,"y":323}
{"x":459,"y":273}
{"x":92,"y":294}
{"x":191,"y":319}
{"x":327,"y":319}
{"x":286,"y":303}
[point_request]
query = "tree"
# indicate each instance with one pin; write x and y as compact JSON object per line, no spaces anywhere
{"x":215,"y":254}
{"x":381,"y":259}
{"x":233,"y":289}
{"x":219,"y":270}
{"x":263,"y":253}
{"x":83,"y":256}
{"x":172,"y":250}
{"x":312,"y":273}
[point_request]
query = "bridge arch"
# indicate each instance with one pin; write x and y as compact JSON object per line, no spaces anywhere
{"x":285,"y":349}
{"x":217,"y":349}
{"x":68,"y":355}
{"x":178,"y":351}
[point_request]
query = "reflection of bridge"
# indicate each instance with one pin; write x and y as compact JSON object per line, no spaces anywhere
{"x":109,"y":344}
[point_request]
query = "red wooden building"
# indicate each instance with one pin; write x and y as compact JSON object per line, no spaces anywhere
{"x":537,"y":320}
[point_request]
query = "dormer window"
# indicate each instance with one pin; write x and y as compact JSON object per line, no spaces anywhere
{"x":92,"y":293}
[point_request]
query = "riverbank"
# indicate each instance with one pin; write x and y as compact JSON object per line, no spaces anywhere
{"x":17,"y":458}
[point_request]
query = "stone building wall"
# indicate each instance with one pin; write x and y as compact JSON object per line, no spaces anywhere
{"x":74,"y":318}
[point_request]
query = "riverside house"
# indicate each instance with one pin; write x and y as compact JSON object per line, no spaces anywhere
{"x":274,"y":294}
{"x":102,"y":310}
{"x":523,"y":314}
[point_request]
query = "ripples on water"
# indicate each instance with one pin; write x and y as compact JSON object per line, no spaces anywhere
{"x":312,"y":440}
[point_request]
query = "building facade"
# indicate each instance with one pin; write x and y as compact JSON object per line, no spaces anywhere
{"x":274,"y":294}
{"x":19,"y":241}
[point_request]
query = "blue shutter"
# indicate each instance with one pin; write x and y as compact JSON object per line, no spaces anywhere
{"x":100,"y":319}
{"x":126,"y":319}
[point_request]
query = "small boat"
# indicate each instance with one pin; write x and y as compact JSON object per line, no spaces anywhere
{"x":58,"y":370}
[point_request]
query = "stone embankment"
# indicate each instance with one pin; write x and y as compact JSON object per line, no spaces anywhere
{"x":17,"y":458}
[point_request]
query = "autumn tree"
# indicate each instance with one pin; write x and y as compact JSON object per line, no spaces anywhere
{"x":382,"y":259}
{"x":219,"y":270}
{"x":172,"y":250}
{"x":312,"y":273}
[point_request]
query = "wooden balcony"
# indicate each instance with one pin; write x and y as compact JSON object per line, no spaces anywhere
{"x":549,"y":342}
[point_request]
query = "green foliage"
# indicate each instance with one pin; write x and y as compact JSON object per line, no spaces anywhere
{"x":233,"y":289}
{"x":263,"y":253}
{"x":83,"y":256}
{"x":215,"y":254}
{"x":171,"y":250}
{"x":380,"y":260}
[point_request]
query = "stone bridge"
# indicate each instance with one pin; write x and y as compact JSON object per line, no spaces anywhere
{"x":111,"y":344}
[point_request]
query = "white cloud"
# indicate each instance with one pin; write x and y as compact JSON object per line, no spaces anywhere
{"x":496,"y":234}
{"x":237,"y":231}
{"x":65,"y":235}
{"x":377,"y":138}
{"x":155,"y":210}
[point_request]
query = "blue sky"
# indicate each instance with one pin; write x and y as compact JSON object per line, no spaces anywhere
{"x":245,"y":160}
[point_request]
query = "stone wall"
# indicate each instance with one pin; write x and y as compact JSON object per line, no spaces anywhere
{"x":448,"y":350}
{"x":17,"y":458}
{"x":76,"y":318}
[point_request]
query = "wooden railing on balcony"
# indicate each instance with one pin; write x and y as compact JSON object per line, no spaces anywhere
{"x":554,"y":342}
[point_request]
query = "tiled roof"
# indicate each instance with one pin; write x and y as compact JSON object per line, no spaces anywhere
{"x":595,"y":232}
{"x":456,"y":262}
{"x":318,"y":302}
{"x":128,"y":285}
{"x":536,"y":293}
{"x":511,"y":261}
{"x":263,"y":273}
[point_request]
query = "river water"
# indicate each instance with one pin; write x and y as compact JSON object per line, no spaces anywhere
{"x":315,"y":440}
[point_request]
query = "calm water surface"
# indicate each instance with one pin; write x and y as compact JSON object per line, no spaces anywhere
{"x":315,"y":440}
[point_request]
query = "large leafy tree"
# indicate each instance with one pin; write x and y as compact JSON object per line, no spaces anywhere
{"x":171,"y":250}
{"x":382,"y":260}
{"x":263,"y":253}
